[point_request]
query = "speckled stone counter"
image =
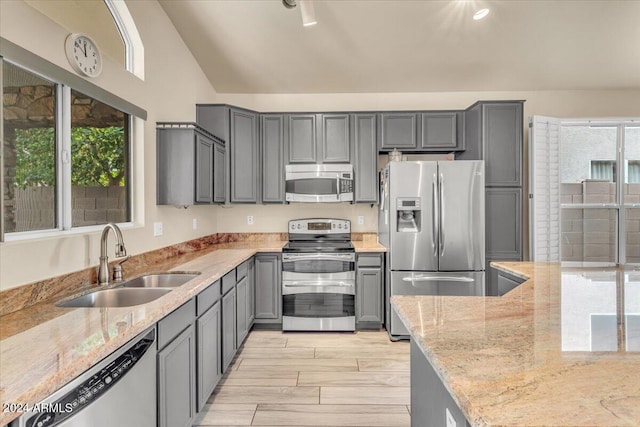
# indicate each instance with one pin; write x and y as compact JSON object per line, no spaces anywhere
{"x":562,"y":349}
{"x":43,"y":346}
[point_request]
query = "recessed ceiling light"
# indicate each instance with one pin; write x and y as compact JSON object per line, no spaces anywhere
{"x":480,"y":14}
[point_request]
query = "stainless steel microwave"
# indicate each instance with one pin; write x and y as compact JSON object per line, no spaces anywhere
{"x":319,"y":183}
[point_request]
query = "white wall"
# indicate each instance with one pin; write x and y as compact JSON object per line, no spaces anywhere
{"x":173,"y":84}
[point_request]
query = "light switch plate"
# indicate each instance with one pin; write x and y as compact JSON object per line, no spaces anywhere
{"x":194,"y":223}
{"x":157,"y":229}
{"x":250,"y":219}
{"x":451,"y":422}
{"x":361,"y":219}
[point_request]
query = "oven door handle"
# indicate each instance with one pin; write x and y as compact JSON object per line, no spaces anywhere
{"x":351,"y":257}
{"x":438,"y":279}
{"x":317,"y":284}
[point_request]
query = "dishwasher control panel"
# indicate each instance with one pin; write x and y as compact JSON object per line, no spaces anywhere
{"x":53,"y":413}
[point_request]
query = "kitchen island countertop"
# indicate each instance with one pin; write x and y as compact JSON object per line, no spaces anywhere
{"x":562,"y":349}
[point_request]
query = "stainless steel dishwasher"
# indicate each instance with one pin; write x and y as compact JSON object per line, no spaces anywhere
{"x":119,"y":391}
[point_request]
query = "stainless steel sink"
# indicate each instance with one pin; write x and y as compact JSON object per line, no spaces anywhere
{"x":160,"y":280}
{"x":119,"y":297}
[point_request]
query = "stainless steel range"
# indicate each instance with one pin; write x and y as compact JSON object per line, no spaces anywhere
{"x":318,"y":276}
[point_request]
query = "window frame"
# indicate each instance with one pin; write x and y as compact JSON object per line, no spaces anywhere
{"x":64,"y":206}
{"x":619,"y":205}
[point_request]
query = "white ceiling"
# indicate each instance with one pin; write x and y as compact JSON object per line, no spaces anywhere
{"x":259,"y":46}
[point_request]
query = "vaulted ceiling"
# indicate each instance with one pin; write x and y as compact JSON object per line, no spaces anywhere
{"x":259,"y":46}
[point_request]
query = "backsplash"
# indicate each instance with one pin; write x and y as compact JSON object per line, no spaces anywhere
{"x":55,"y":288}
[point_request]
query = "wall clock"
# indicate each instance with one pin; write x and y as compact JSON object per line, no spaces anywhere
{"x":83,"y":54}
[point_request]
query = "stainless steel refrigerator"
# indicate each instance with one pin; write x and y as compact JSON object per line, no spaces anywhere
{"x":431,"y":219}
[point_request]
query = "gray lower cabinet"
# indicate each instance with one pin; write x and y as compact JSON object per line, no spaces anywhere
{"x":369,"y":290}
{"x":268,"y":286}
{"x":431,"y":403}
{"x":228,"y":328}
{"x":177,"y":368}
{"x":209,"y":349}
{"x":365,"y":157}
{"x":302,"y":141}
{"x":187,"y":172}
{"x":506,"y":282}
{"x":251,"y":298}
{"x":272,"y":139}
{"x":242,"y":315}
{"x":334,"y":137}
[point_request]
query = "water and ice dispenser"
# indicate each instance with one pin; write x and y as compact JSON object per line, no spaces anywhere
{"x":409,"y":215}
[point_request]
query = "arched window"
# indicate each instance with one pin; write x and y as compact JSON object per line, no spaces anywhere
{"x":134,"y":50}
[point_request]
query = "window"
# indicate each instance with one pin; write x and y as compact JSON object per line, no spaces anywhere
{"x":99,"y":148}
{"x":585,"y":188}
{"x":604,"y":170}
{"x":56,"y":178}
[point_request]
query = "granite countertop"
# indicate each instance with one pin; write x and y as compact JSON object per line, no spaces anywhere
{"x":42,"y":347}
{"x":562,"y":349}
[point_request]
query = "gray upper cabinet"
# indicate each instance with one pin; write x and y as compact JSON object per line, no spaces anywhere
{"x":440,"y":130}
{"x":302,"y":138}
{"x":186,"y":167}
{"x":365,"y":156}
{"x":493,"y":132}
{"x":398,"y":130}
{"x":272,"y":139}
{"x":334,"y":134}
{"x":239,"y":128}
{"x":243,"y":145}
{"x":219,"y":173}
{"x":204,"y":169}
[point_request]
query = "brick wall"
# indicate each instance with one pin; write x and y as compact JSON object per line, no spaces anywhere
{"x":34,"y":206}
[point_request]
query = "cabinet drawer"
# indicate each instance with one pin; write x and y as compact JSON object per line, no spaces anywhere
{"x":176,"y":322}
{"x":241,"y":271}
{"x":207,"y":298}
{"x":369,"y":261}
{"x":228,"y":281}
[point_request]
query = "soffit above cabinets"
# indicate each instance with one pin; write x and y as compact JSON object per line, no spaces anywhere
{"x":412,"y":46}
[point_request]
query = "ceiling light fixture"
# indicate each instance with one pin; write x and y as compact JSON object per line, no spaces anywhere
{"x":307,"y":11}
{"x":480,"y":14}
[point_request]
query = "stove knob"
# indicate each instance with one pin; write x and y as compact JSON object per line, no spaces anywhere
{"x":299,"y":226}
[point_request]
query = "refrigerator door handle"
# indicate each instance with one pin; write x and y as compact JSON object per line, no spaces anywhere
{"x":434,"y":216}
{"x":442,"y":214}
{"x":437,"y":279}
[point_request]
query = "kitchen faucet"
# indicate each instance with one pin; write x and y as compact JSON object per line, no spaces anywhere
{"x":103,"y":269}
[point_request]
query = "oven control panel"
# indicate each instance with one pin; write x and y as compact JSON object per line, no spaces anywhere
{"x":319,"y":226}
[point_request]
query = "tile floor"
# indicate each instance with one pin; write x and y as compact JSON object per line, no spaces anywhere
{"x":314,"y":379}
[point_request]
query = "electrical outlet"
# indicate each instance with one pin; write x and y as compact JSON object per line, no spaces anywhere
{"x":250,"y":219}
{"x":157,"y":229}
{"x":361,"y":219}
{"x":451,"y":422}
{"x":194,"y":223}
